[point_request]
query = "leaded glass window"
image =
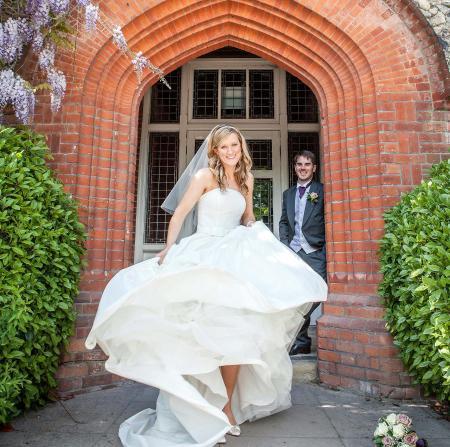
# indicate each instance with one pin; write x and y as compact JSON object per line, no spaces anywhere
{"x":261,"y":153}
{"x":162,"y":175}
{"x":297,"y":142}
{"x":261,"y":94}
{"x":197,"y":145}
{"x":262,"y":201}
{"x":301,"y":102}
{"x":165,"y":103}
{"x":205,"y":93}
{"x":233,"y":93}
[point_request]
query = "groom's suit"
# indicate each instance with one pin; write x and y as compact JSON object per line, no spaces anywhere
{"x":313,"y":237}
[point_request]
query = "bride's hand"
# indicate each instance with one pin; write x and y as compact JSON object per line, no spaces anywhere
{"x":161,"y":255}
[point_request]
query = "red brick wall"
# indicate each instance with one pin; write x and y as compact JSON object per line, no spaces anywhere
{"x":381,"y":81}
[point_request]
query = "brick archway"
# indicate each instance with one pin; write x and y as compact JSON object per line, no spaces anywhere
{"x":379,"y":76}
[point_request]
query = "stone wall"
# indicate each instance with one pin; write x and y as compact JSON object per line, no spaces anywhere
{"x":437,"y":13}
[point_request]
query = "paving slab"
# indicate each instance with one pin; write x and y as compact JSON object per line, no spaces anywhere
{"x":49,"y":439}
{"x":304,"y":421}
{"x":319,"y":417}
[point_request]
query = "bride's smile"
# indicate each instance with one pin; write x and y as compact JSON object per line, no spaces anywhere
{"x":229,"y":150}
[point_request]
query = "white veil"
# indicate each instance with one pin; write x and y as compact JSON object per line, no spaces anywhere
{"x":199,"y":161}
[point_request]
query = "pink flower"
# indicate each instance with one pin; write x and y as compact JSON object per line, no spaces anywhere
{"x":410,"y":438}
{"x":388,"y":441}
{"x":404,"y":419}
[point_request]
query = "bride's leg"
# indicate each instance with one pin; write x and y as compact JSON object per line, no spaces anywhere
{"x":229,"y":375}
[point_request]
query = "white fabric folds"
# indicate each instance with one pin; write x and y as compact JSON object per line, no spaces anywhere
{"x":227,"y":295}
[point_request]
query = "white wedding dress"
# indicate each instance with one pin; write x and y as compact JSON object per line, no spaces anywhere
{"x":227,"y":295}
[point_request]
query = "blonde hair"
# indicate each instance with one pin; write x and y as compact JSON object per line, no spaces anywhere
{"x":243,"y":166}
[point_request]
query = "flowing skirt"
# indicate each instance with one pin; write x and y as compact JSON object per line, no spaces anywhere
{"x":236,"y":299}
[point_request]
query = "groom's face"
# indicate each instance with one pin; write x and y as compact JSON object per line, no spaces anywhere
{"x":304,"y":168}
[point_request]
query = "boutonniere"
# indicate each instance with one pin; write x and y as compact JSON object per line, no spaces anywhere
{"x":313,"y":197}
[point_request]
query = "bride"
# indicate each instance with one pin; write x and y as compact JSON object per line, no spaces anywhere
{"x":208,"y":321}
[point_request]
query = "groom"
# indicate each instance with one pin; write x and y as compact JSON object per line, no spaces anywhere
{"x":302,"y":228}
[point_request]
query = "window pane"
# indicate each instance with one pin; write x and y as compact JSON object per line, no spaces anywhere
{"x":233,"y":94}
{"x":302,"y":104}
{"x":299,"y":141}
{"x":261,"y":94}
{"x":262,"y":201}
{"x":261,"y":152}
{"x":162,"y":175}
{"x":205,"y":93}
{"x":197,"y":145}
{"x":165,"y":104}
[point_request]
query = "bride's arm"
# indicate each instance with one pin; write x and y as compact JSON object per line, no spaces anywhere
{"x":248,"y":218}
{"x":196,"y":188}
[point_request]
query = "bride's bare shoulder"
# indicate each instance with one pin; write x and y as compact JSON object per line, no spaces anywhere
{"x":204,"y":175}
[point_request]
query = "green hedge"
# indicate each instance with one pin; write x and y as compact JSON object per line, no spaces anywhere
{"x":415,"y":259}
{"x":41,"y":249}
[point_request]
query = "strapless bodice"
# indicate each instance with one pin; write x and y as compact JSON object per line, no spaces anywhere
{"x":220,"y":211}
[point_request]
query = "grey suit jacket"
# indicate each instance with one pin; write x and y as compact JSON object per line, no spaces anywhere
{"x":313,"y":226}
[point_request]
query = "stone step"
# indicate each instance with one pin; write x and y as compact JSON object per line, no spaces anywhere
{"x":304,"y":368}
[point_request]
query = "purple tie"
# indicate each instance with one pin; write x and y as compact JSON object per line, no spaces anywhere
{"x":302,"y":190}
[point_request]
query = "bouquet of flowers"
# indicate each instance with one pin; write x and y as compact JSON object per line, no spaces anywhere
{"x":395,"y":430}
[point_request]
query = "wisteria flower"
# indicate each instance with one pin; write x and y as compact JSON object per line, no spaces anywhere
{"x":34,"y":25}
{"x":119,"y":39}
{"x":15,"y":92}
{"x":40,"y":11}
{"x":57,"y":82}
{"x":91,"y":17}
{"x":13,"y":37}
{"x":59,"y":6}
{"x":47,"y":57}
{"x":404,"y":419}
{"x":139,"y":63}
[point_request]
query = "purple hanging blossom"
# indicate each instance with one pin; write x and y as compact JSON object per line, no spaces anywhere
{"x":39,"y":10}
{"x":91,"y":16}
{"x":83,"y":3}
{"x":139,"y":63}
{"x":59,"y":6}
{"x":119,"y":39}
{"x":38,"y":41}
{"x":47,"y":57}
{"x":13,"y":37}
{"x":14,"y":91}
{"x":57,"y":82}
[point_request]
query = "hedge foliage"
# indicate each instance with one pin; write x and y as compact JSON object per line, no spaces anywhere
{"x":415,"y":258}
{"x":41,"y":249}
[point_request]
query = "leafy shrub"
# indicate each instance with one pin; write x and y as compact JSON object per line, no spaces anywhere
{"x":41,"y":245}
{"x":416,"y":267}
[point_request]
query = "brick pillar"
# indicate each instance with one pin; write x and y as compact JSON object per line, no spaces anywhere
{"x":356,"y":351}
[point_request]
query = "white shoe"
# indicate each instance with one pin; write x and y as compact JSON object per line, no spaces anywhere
{"x":235,"y":430}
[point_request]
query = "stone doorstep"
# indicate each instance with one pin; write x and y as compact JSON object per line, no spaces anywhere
{"x":305,"y":365}
{"x":304,"y":369}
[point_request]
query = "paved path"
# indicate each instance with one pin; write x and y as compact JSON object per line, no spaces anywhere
{"x":319,"y":418}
